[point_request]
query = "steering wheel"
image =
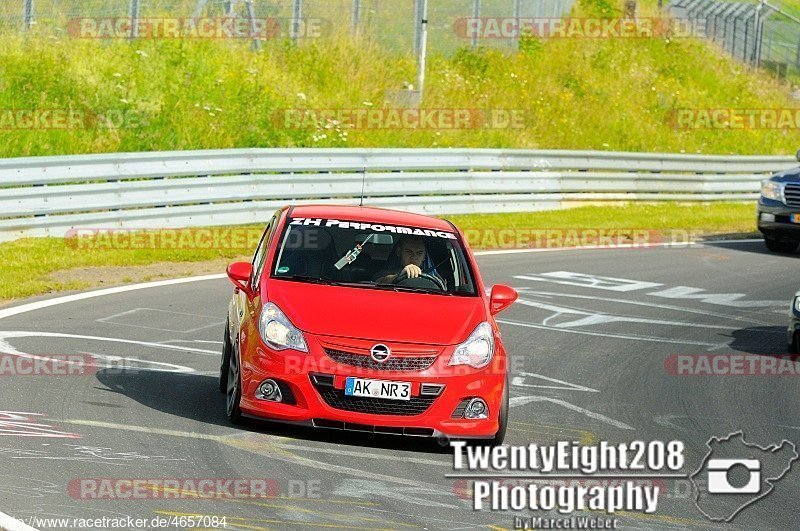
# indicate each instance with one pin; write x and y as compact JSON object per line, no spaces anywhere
{"x":425,"y":278}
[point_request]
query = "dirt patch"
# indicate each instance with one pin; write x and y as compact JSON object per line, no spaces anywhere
{"x":103,"y":277}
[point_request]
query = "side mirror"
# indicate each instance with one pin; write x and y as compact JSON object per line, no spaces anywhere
{"x":240,"y":273}
{"x":502,"y":297}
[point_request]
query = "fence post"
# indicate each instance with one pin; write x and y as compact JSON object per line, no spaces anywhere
{"x":251,"y":14}
{"x":27,"y":16}
{"x":356,"y":16}
{"x":134,"y":19}
{"x":422,"y":22}
{"x":517,"y":16}
{"x":476,"y":14}
{"x":797,"y":60}
{"x":296,"y":20}
{"x":759,"y":33}
{"x":417,"y":26}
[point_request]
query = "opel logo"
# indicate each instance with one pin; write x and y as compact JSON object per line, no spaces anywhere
{"x":380,"y":353}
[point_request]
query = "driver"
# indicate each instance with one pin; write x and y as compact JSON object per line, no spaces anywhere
{"x":412,"y":252}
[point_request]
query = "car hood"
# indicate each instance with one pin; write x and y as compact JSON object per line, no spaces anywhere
{"x":379,"y":315}
{"x":790,"y":175}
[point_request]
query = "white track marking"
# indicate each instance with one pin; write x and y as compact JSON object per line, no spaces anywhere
{"x":569,"y":278}
{"x":520,"y":382}
{"x":615,"y":336}
{"x":522,"y":400}
{"x":593,"y":318}
{"x":12,"y":524}
{"x":110,"y":320}
{"x":679,"y":245}
{"x":5,"y":334}
{"x":24,"y":308}
{"x":551,"y":294}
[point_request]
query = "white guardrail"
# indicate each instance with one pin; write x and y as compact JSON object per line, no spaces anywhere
{"x":48,"y":196}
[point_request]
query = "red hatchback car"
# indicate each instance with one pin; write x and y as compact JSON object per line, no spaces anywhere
{"x":366,"y":319}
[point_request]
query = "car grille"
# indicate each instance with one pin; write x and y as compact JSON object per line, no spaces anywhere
{"x":373,"y":406}
{"x":394,"y":363}
{"x":792,"y":194}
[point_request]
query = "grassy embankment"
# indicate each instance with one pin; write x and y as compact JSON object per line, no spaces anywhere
{"x":606,"y":94}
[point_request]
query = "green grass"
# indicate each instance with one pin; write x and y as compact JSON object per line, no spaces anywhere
{"x":606,"y":94}
{"x":29,"y":265}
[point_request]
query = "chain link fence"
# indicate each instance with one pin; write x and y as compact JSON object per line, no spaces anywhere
{"x":757,"y":33}
{"x":394,"y":24}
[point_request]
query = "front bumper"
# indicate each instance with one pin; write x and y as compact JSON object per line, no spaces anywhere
{"x":777,"y":223}
{"x":315,"y":382}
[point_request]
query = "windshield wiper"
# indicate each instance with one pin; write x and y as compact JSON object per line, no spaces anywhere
{"x":313,"y":280}
{"x":415,"y":290}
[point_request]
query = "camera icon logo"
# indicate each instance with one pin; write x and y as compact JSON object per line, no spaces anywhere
{"x":718,"y":482}
{"x":735,"y":474}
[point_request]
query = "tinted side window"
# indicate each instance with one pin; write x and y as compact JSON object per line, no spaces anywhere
{"x":261,"y":253}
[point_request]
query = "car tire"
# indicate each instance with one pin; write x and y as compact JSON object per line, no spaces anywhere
{"x":794,"y":346}
{"x":500,"y":436}
{"x":781,"y":246}
{"x":233,"y":388}
{"x":226,"y":359}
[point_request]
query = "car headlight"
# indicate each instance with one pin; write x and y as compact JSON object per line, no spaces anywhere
{"x":772,"y":190}
{"x":477,"y":351}
{"x":278,"y":332}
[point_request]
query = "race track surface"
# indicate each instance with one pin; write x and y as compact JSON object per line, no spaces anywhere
{"x":590,"y":338}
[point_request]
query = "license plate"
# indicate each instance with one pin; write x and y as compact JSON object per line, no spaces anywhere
{"x":377,"y":388}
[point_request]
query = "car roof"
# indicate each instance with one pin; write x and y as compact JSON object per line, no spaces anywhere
{"x":381,"y":216}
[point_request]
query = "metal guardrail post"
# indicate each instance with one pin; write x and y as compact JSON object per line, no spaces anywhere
{"x":134,"y":19}
{"x":27,"y":15}
{"x":297,"y":15}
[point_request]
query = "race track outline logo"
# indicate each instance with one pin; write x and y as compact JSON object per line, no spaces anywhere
{"x":721,"y":500}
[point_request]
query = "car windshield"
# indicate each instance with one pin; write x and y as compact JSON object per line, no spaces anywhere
{"x":370,"y":255}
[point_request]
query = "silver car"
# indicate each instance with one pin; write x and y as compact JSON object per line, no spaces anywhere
{"x":793,"y":332}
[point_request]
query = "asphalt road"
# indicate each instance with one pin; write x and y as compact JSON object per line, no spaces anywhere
{"x":590,"y":340}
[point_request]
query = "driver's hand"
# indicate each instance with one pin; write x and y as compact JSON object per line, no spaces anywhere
{"x":412,"y":270}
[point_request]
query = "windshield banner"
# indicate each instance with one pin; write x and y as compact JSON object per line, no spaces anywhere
{"x":357,"y":225}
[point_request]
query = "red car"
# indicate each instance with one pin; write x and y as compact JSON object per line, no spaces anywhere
{"x":366,"y":319}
